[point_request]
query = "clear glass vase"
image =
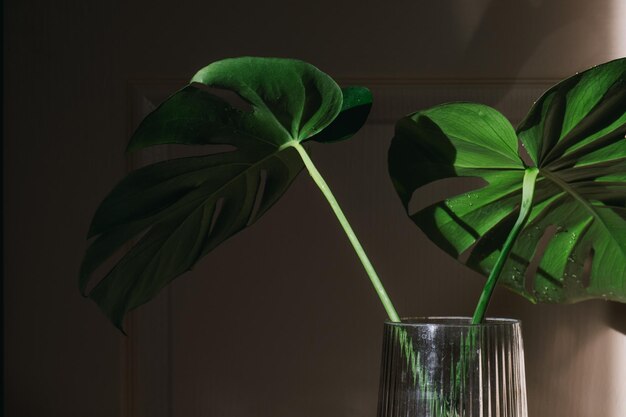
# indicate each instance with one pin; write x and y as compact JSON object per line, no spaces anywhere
{"x":445,"y":366}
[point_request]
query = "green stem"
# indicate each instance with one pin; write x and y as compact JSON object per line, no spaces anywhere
{"x":528,"y":190}
{"x":378,"y":286}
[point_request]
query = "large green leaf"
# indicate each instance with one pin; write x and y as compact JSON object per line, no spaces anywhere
{"x":575,"y":135}
{"x":179,"y":210}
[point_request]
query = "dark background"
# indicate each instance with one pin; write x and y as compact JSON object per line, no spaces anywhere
{"x":280,"y":321}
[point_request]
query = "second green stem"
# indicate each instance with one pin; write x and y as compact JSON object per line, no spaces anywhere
{"x":319,"y":180}
{"x":528,"y":191}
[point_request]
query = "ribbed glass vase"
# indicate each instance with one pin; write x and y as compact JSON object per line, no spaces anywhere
{"x":445,"y":366}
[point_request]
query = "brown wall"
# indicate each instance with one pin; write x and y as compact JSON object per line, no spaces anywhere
{"x":67,"y":66}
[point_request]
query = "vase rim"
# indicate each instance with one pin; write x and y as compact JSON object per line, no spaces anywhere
{"x":451,"y":321}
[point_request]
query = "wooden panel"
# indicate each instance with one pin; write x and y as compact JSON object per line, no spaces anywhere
{"x":66,"y":68}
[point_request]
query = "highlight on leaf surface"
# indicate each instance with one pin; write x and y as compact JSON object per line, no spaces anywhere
{"x":573,"y":246}
{"x":176,"y":211}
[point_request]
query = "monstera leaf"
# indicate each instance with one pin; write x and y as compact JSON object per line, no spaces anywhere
{"x":573,"y":244}
{"x":179,"y":210}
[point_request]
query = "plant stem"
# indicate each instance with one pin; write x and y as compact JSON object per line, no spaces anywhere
{"x":528,"y":190}
{"x":378,"y":286}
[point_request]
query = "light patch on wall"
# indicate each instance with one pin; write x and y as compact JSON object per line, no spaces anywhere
{"x":618,"y":371}
{"x":467,"y":17}
{"x":618,"y":35}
